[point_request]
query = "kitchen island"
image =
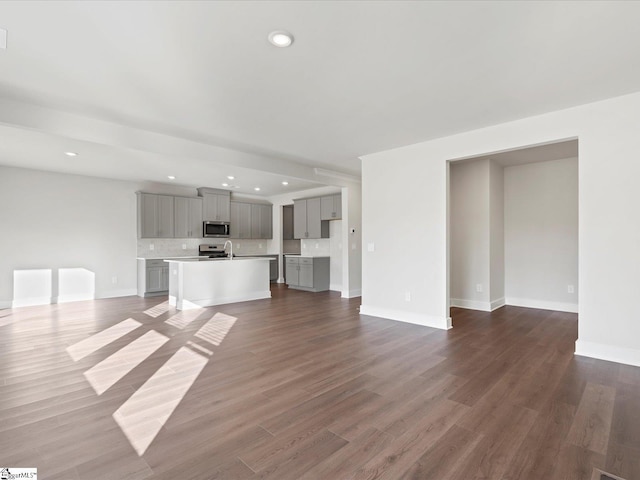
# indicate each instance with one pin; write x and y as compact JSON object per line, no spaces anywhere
{"x":203,"y":282}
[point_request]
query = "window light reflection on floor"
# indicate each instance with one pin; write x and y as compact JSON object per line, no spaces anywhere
{"x":106,"y":373}
{"x":95,"y":342}
{"x":143,"y":415}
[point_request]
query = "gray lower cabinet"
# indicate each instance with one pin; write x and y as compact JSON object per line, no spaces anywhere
{"x":188,"y":217}
{"x":307,"y":273}
{"x":155,"y":216}
{"x":153,"y":277}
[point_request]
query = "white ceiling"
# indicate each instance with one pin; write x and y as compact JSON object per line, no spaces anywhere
{"x":361,"y":77}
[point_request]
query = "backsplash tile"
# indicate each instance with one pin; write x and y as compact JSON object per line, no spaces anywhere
{"x":172,"y":247}
{"x":318,"y":247}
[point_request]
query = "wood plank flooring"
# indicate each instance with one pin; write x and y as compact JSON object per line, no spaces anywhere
{"x":302,"y":387}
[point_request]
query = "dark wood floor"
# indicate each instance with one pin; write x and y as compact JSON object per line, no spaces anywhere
{"x":302,"y":387}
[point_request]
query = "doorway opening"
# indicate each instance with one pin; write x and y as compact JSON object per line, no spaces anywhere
{"x":513,"y":229}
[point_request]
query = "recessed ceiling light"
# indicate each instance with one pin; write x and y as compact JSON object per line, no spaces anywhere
{"x":71,"y":154}
{"x":280,"y":38}
{"x":257,"y":189}
{"x":231,"y":177}
{"x":171,"y":177}
{"x":285,"y":183}
{"x":225,"y":184}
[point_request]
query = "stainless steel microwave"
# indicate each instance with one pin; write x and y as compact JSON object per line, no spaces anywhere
{"x":215,"y":229}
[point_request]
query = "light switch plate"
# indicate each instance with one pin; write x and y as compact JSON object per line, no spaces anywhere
{"x":3,"y":38}
{"x":371,"y":247}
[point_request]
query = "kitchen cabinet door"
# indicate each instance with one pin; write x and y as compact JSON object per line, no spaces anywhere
{"x":188,"y":217}
{"x":287,"y":222}
{"x":331,"y":207}
{"x":240,"y":220}
{"x":216,"y":207}
{"x":195,"y":218}
{"x":165,"y":216}
{"x":300,"y":219}
{"x":155,"y":279}
{"x":305,"y":275}
{"x":155,"y":216}
{"x":314,"y":227}
{"x":292,"y":273}
{"x":261,"y":221}
{"x":147,"y":215}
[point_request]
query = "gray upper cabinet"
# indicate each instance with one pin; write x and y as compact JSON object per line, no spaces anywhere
{"x":216,"y":207}
{"x":216,"y":204}
{"x":251,"y":220}
{"x":261,"y":221}
{"x":300,"y":219}
{"x":188,"y":217}
{"x":240,"y":220}
{"x":307,"y":221}
{"x":287,"y":222}
{"x":155,"y":216}
{"x":331,"y":207}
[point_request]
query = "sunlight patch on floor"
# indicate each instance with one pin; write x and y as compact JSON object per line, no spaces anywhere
{"x":158,"y":310}
{"x":142,"y":416}
{"x":216,"y":329}
{"x":183,"y":318}
{"x":109,"y":371}
{"x":95,"y":342}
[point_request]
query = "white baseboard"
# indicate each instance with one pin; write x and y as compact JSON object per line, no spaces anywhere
{"x":601,"y":351}
{"x":407,"y":317}
{"x":32,"y":301}
{"x":356,"y":292}
{"x":5,"y":304}
{"x":470,"y":304}
{"x":125,"y":292}
{"x":477,"y":305}
{"x":498,"y":303}
{"x":542,"y":304}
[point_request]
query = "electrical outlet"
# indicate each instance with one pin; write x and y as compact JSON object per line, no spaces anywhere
{"x":317,"y":245}
{"x":479,"y":287}
{"x":184,"y":246}
{"x":570,"y":289}
{"x":371,"y":247}
{"x":259,"y":245}
{"x":353,"y":246}
{"x":152,"y":246}
{"x":407,"y":296}
{"x":114,"y":279}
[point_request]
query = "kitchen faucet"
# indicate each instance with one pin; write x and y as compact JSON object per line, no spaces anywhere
{"x":230,"y":250}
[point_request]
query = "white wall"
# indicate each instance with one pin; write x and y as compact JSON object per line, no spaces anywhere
{"x":470,"y":234}
{"x":476,"y":234}
{"x":496,"y":235}
{"x":541,"y":234}
{"x":54,"y":221}
{"x":407,"y":205}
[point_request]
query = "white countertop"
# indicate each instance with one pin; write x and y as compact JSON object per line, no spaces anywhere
{"x":207,"y":259}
